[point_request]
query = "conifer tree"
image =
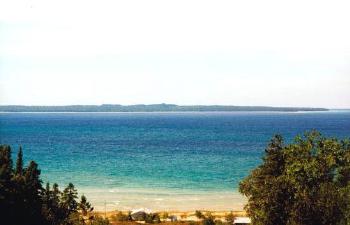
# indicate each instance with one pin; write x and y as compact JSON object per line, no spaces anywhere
{"x":69,"y":197}
{"x":55,"y":195}
{"x":7,"y":201}
{"x":19,"y":163}
{"x":47,"y":194}
{"x":47,"y":204}
{"x":84,"y":206}
{"x":57,"y":209}
{"x":5,"y":163}
{"x":23,"y":201}
{"x":32,"y":191}
{"x":32,"y":177}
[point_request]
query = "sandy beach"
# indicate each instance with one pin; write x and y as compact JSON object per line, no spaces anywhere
{"x":158,"y":200}
{"x":180,"y":215}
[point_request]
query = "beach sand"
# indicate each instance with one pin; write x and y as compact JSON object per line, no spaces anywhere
{"x":181,"y":215}
{"x":158,"y":200}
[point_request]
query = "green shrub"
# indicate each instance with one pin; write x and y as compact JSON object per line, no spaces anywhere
{"x":152,"y":218}
{"x":230,"y":218}
{"x":100,"y":221}
{"x":199,"y":214}
{"x":120,"y":217}
{"x":208,"y":221}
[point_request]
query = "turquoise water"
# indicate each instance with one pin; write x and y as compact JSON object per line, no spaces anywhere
{"x":157,"y":160}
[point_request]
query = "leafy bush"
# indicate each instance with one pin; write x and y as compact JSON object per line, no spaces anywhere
{"x":152,"y":218}
{"x":208,"y":220}
{"x":199,"y":214}
{"x":120,"y":217}
{"x":306,"y":182}
{"x":230,"y":218}
{"x":100,"y":221}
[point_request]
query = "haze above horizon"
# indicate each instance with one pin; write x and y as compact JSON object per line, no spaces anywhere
{"x":249,"y":53}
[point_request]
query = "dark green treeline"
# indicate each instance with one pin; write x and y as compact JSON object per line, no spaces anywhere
{"x":24,"y":201}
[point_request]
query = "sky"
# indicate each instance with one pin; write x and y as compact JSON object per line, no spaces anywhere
{"x":251,"y":52}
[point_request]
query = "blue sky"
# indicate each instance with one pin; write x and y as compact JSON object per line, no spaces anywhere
{"x":277,"y":53}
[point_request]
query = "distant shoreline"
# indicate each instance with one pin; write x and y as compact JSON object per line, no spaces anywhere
{"x":158,"y":108}
{"x":168,"y":112}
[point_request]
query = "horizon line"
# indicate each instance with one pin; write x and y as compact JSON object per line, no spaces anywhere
{"x":166,"y":104}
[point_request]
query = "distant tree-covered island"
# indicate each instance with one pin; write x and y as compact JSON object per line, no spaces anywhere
{"x":152,"y":108}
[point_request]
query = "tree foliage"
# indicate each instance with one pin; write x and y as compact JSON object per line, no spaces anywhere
{"x":230,"y":218}
{"x":199,"y":214}
{"x":209,"y":219}
{"x":306,"y":182}
{"x":19,"y":163}
{"x":23,"y":200}
{"x":84,"y":206}
{"x":69,"y":199}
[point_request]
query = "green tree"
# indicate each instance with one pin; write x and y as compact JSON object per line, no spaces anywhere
{"x":32,"y":177}
{"x":57,"y":209}
{"x":19,"y":163}
{"x":32,"y":191}
{"x":84,"y":206}
{"x":69,"y":204}
{"x":5,"y":164}
{"x":56,"y":193}
{"x":47,"y":206}
{"x":20,"y":193}
{"x":23,"y":201}
{"x":85,"y":209}
{"x":7,"y":195}
{"x":69,"y":197}
{"x":304,"y":183}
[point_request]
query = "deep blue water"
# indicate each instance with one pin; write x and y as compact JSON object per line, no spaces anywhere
{"x":195,"y":151}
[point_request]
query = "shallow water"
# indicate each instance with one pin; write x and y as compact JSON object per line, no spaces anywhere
{"x":157,"y":160}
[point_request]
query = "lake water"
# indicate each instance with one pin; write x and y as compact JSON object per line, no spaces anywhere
{"x":161,"y":161}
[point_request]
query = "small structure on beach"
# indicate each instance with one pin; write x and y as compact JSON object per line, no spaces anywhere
{"x":242,"y":221}
{"x":140,"y":214}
